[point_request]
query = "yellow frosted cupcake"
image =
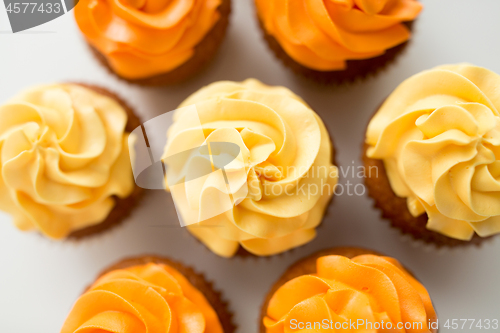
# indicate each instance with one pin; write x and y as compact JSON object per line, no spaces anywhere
{"x":65,"y":161}
{"x":272,"y":195}
{"x":436,"y":144}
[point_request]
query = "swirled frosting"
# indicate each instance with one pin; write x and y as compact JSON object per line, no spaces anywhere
{"x":63,"y":155}
{"x":367,"y":288}
{"x":151,"y":298}
{"x":439,"y":137}
{"x":143,"y":38}
{"x":281,"y":182}
{"x":324,"y":34}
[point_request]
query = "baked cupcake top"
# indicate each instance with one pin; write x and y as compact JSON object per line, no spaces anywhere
{"x":63,"y":155}
{"x":438,"y":134}
{"x":324,"y":34}
{"x":152,"y":298}
{"x":280,"y":182}
{"x":143,"y":38}
{"x":367,"y":290}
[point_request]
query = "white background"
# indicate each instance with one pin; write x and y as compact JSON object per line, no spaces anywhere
{"x":40,"y":279}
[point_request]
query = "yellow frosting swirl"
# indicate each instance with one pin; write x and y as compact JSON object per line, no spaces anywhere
{"x":63,"y":155}
{"x":151,"y":298}
{"x":286,"y":162}
{"x":439,"y":136}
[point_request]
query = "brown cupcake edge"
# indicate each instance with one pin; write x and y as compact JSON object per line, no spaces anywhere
{"x":356,"y":70}
{"x":204,"y":52}
{"x":395,"y":209}
{"x":307,"y":265}
{"x":123,"y":206}
{"x":198,"y":280}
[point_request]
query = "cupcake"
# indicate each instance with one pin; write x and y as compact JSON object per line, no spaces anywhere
{"x":65,"y":164}
{"x":150,"y":294}
{"x":153,"y":42}
{"x":348,"y":289}
{"x":337,"y":41}
{"x":272,"y":192}
{"x":432,"y":155}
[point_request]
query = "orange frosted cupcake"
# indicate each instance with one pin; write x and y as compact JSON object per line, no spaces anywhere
{"x":153,"y":42}
{"x":335,"y":41}
{"x":65,"y":162}
{"x":348,"y":289}
{"x":434,"y":151}
{"x":150,"y":294}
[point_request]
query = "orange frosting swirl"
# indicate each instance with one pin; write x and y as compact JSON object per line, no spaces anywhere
{"x":149,"y":298}
{"x":323,"y":34}
{"x":368,"y":287}
{"x":143,"y":38}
